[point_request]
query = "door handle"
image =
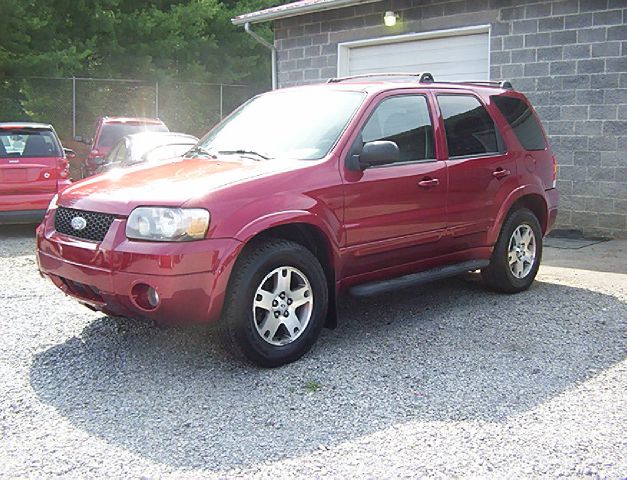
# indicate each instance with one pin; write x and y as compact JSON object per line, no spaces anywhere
{"x":500,"y":173}
{"x":428,"y":182}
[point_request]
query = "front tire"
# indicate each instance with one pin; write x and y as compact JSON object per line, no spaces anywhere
{"x":517,"y":254}
{"x":276,"y":303}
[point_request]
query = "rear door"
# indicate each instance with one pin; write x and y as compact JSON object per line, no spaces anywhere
{"x":479,"y":167}
{"x":29,"y":161}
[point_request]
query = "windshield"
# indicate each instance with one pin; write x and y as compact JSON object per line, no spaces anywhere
{"x":111,"y":133}
{"x":302,"y":124}
{"x":16,"y":143}
{"x":163,"y":152}
{"x":141,"y":145}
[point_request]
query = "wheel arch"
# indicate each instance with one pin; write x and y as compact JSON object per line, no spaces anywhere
{"x":314,"y":238}
{"x":523,"y":197}
{"x":537,"y":204}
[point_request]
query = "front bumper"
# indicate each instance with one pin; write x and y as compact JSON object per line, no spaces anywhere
{"x":189,"y":277}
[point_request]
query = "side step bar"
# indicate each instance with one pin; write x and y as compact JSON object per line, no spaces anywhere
{"x":413,"y":279}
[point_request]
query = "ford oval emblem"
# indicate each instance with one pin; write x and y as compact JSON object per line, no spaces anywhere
{"x":78,"y":223}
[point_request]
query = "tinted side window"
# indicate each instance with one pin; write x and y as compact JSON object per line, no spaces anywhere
{"x":523,"y":122}
{"x":469,"y":128}
{"x":404,"y":120}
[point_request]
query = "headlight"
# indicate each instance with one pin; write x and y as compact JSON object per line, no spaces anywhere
{"x":53,"y":202}
{"x":167,"y":224}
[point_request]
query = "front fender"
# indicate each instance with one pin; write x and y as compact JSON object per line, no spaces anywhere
{"x":275,"y":219}
{"x":253,"y":218}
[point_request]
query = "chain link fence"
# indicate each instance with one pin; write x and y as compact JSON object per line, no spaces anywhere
{"x":74,"y":104}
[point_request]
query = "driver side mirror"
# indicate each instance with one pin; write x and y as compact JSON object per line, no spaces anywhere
{"x":69,"y":153}
{"x":380,"y":152}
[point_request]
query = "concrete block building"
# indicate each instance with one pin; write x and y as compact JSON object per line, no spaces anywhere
{"x":568,"y":56}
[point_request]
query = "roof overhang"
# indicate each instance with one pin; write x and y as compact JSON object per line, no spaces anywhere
{"x":295,"y":9}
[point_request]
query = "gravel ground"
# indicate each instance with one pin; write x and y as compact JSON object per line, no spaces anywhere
{"x":452,"y":382}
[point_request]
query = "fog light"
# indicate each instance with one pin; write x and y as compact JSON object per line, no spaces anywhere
{"x":145,"y":297}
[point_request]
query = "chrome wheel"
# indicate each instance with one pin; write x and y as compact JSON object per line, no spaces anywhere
{"x":282,"y":305}
{"x":521,"y":251}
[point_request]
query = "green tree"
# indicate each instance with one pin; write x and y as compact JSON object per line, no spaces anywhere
{"x":168,"y":41}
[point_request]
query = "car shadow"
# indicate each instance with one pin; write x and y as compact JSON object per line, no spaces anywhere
{"x":448,"y":352}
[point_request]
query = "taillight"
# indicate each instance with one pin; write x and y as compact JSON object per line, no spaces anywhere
{"x":63,"y":168}
{"x":554,"y":170}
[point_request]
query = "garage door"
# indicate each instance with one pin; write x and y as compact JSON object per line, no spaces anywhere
{"x":449,"y":58}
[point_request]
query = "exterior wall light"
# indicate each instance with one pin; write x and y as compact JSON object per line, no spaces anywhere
{"x":389,"y":19}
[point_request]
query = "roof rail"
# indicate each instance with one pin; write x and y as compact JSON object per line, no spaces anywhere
{"x":506,"y":84}
{"x":423,"y":77}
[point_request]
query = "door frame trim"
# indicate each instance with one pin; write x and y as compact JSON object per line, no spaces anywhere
{"x":343,"y":48}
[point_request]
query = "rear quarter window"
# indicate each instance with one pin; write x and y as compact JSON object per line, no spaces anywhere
{"x":522,"y":120}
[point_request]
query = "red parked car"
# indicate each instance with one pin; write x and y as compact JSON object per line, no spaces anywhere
{"x":109,"y":131}
{"x":304,"y":193}
{"x":33,"y":168}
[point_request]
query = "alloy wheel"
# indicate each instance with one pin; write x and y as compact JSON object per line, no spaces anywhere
{"x":283,"y":305}
{"x":521,"y":254}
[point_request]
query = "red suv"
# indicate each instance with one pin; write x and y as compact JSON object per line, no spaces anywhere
{"x":109,"y":131}
{"x":33,"y":168}
{"x":303,"y":193}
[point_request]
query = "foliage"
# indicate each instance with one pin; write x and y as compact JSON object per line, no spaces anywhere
{"x":154,"y":40}
{"x":312,"y":386}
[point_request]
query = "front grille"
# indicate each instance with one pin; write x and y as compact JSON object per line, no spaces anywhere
{"x":96,"y":227}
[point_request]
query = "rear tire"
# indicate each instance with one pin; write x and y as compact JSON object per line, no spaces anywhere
{"x":517,"y":254}
{"x":276,"y":303}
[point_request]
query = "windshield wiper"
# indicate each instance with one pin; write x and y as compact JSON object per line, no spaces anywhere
{"x":198,"y":150}
{"x":244,"y":152}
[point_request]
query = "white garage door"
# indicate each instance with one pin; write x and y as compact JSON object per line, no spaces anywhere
{"x":448,"y":58}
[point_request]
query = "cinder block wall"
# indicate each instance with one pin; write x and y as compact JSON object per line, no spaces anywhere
{"x":569,"y":57}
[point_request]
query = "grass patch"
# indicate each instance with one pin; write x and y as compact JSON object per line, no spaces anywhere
{"x":312,"y":386}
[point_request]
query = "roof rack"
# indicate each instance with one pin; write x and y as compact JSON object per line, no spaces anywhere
{"x":506,"y":84}
{"x":423,"y":77}
{"x":426,"y":77}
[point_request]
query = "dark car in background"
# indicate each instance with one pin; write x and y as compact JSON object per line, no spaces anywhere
{"x":33,"y":168}
{"x":147,"y":147}
{"x":109,"y":131}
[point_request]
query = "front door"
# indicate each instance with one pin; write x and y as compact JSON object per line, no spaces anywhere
{"x":395,"y":214}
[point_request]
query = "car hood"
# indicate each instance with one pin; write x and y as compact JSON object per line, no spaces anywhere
{"x":164,"y":184}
